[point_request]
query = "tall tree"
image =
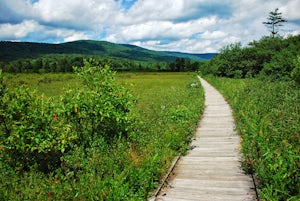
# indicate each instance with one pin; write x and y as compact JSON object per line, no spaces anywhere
{"x":275,"y":20}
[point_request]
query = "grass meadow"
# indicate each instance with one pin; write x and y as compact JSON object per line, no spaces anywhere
{"x":165,"y":112}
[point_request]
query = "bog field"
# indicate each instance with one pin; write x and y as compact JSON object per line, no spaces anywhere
{"x":95,"y":135}
{"x":100,"y":135}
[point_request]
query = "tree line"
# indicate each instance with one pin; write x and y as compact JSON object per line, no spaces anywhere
{"x":272,"y":58}
{"x":66,"y":62}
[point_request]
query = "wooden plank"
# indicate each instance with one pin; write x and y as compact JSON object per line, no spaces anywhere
{"x":213,"y":175}
{"x":205,"y":196}
{"x":208,"y":159}
{"x":209,"y":184}
{"x":211,"y":170}
{"x":211,"y":191}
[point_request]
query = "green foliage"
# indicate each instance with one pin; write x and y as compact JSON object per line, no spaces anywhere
{"x":64,"y":62}
{"x":10,"y":51}
{"x":123,"y":163}
{"x":267,"y":116}
{"x":30,"y":131}
{"x":295,"y":74}
{"x":279,"y":67}
{"x":39,"y":129}
{"x":100,"y":107}
{"x":270,"y":58}
{"x":182,"y":65}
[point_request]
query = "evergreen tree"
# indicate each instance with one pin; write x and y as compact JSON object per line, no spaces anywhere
{"x":275,"y":20}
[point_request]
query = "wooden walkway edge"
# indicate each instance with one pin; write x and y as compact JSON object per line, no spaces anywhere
{"x":211,"y":170}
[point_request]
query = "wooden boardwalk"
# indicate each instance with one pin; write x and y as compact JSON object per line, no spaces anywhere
{"x":211,"y":170}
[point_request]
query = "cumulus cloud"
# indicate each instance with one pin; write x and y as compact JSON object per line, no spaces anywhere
{"x":17,"y":31}
{"x":291,"y":10}
{"x":214,"y":34}
{"x":76,"y":36}
{"x":153,"y":10}
{"x":160,"y":30}
{"x":77,"y":14}
{"x":190,"y":25}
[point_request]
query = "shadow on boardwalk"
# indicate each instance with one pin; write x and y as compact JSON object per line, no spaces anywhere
{"x":211,"y":170}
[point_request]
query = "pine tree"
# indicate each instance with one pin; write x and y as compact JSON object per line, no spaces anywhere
{"x":275,"y":20}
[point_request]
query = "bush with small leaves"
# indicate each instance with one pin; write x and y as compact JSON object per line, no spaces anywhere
{"x":36,"y":131}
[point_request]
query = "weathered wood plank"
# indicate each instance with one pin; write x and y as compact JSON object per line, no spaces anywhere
{"x":204,"y":196}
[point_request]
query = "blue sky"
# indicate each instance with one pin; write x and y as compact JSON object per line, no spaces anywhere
{"x":195,"y":26}
{"x":127,"y":3}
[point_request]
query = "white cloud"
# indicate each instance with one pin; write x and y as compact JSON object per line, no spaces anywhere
{"x":66,"y":34}
{"x":159,"y":30}
{"x":189,"y":25}
{"x":213,"y":35}
{"x":154,"y":29}
{"x":186,"y":45}
{"x":76,"y":36}
{"x":291,"y":9}
{"x":17,"y":31}
{"x":152,"y":10}
{"x":89,"y":14}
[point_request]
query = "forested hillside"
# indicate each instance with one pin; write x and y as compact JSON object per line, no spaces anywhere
{"x":41,"y":57}
{"x":16,"y":50}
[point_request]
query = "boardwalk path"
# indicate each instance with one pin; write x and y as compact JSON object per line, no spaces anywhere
{"x":211,"y":170}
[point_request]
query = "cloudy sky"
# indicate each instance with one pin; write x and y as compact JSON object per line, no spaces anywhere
{"x":195,"y":26}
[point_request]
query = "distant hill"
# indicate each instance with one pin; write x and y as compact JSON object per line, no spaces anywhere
{"x":196,"y":57}
{"x":10,"y":51}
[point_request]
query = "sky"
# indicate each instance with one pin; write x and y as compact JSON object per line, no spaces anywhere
{"x":193,"y":26}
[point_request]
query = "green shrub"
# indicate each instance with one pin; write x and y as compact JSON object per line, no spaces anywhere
{"x":31,"y":131}
{"x":270,"y":58}
{"x":100,"y":107}
{"x":295,"y":74}
{"x":279,"y":68}
{"x":37,"y":131}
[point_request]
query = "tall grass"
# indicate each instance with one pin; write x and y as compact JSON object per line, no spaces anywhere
{"x":49,"y":84}
{"x":268,"y":116}
{"x":166,"y":113}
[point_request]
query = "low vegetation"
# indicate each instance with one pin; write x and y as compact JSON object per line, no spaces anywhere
{"x":267,"y":116}
{"x":96,"y":140}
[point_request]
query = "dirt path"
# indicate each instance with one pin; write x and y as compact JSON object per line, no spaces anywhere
{"x":211,"y":170}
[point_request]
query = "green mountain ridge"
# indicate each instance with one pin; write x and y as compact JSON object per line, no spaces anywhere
{"x":10,"y":51}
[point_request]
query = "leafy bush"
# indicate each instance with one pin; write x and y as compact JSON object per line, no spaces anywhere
{"x":279,"y":67}
{"x":100,"y":107}
{"x":295,"y":74}
{"x":30,"y":130}
{"x":35,"y":129}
